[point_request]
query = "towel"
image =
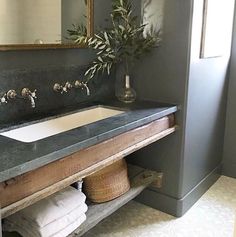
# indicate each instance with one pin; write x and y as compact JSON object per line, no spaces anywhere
{"x":54,"y":207}
{"x":70,"y":228}
{"x":16,"y":222}
{"x":26,"y":232}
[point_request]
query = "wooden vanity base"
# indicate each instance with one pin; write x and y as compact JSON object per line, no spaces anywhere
{"x":26,"y":189}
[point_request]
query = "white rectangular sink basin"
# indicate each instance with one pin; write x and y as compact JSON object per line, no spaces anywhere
{"x":58,"y":125}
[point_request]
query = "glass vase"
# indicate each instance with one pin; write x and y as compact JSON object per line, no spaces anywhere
{"x":126,"y":93}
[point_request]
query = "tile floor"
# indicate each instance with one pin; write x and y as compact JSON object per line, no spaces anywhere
{"x":212,"y":216}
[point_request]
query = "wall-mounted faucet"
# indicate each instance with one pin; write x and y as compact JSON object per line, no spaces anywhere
{"x":68,"y":86}
{"x":82,"y":85}
{"x":62,"y":89}
{"x":27,"y":94}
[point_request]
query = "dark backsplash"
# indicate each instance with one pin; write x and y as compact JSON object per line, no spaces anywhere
{"x":43,"y":79}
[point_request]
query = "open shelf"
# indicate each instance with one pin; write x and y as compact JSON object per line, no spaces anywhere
{"x":140,"y":179}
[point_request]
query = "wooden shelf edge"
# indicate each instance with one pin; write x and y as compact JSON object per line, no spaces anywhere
{"x":98,"y":212}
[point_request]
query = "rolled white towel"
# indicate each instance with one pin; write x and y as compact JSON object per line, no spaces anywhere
{"x":26,"y":232}
{"x":53,"y":208}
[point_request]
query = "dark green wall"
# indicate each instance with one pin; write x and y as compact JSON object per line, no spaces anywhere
{"x":229,"y":158}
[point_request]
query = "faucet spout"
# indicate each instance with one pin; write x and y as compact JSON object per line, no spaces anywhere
{"x":27,"y":94}
{"x":87,"y":89}
{"x":79,"y":84}
{"x":32,"y":101}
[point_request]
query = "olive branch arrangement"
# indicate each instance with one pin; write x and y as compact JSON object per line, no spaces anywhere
{"x":123,"y":43}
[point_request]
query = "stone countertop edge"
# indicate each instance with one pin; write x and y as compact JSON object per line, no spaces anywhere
{"x":17,"y":158}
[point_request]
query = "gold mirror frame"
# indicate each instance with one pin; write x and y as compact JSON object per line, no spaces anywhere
{"x":90,"y":31}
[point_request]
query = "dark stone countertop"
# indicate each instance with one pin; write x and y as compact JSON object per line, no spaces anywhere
{"x":17,"y":157}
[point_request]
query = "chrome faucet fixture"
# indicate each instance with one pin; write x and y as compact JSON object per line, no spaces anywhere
{"x":63,"y":89}
{"x":11,"y":94}
{"x":82,"y":85}
{"x":57,"y":87}
{"x":3,"y":99}
{"x":27,"y":94}
{"x":67,"y":87}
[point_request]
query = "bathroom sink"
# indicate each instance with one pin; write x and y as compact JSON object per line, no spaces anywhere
{"x":58,"y":125}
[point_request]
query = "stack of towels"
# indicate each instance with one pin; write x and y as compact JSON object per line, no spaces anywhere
{"x":56,"y":216}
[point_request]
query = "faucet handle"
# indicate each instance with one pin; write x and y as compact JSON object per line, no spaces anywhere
{"x":26,"y":93}
{"x":66,"y":87}
{"x":63,"y":89}
{"x":57,"y":87}
{"x":11,"y":94}
{"x":3,"y":99}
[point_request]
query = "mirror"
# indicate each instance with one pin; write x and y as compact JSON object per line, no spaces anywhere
{"x":32,"y":24}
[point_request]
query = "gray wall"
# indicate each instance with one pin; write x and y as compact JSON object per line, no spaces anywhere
{"x":174,"y":73}
{"x":229,"y":158}
{"x":164,"y":74}
{"x":205,"y":107}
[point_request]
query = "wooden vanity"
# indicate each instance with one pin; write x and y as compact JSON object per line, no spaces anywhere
{"x":28,"y":188}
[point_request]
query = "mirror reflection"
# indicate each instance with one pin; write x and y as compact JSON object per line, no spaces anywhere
{"x":152,"y":16}
{"x":40,"y":21}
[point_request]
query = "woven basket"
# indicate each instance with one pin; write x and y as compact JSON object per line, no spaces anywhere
{"x":108,"y":183}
